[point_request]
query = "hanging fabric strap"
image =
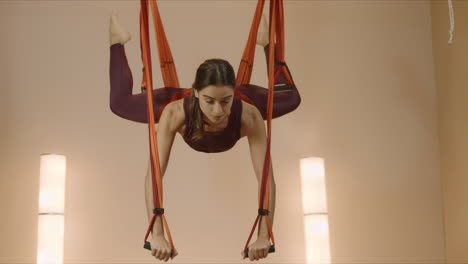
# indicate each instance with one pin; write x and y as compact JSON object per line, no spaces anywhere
{"x":167,"y":66}
{"x":169,"y":75}
{"x":244,"y":72}
{"x":246,"y":64}
{"x":276,"y":17}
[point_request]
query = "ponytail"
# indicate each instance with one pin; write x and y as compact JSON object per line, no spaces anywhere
{"x":196,"y":116}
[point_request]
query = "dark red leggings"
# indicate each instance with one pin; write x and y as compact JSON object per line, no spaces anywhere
{"x":133,"y":106}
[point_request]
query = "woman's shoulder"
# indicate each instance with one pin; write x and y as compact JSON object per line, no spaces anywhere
{"x":250,"y":116}
{"x":175,"y":113}
{"x":175,"y":107}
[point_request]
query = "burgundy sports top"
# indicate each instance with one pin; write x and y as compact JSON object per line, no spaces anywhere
{"x":215,"y":141}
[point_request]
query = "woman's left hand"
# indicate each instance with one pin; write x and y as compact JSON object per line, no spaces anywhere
{"x":259,"y":249}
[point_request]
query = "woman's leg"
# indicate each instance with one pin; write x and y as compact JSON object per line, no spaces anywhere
{"x":122,"y":102}
{"x":284,"y":101}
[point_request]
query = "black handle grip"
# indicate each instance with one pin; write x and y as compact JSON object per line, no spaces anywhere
{"x":270,"y":250}
{"x":147,"y":245}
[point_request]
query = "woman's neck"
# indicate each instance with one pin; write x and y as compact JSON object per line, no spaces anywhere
{"x":212,"y":127}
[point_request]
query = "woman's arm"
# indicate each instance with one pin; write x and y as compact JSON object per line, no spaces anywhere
{"x":171,"y":120}
{"x":256,"y":134}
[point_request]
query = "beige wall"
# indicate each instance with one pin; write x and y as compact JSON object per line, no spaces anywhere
{"x":451,"y":63}
{"x":365,"y":70}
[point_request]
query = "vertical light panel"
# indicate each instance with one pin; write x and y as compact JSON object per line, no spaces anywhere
{"x":315,"y":210}
{"x":51,"y":208}
{"x":50,"y":239}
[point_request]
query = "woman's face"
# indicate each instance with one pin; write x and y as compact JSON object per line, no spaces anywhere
{"x":215,"y":102}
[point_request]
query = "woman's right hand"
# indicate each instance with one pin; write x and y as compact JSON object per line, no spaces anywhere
{"x":117,"y":33}
{"x":161,"y":249}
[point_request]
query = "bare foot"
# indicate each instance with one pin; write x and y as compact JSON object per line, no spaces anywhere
{"x":117,"y":33}
{"x":263,"y":36}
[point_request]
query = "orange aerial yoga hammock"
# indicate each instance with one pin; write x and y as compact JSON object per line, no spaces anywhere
{"x":169,"y":75}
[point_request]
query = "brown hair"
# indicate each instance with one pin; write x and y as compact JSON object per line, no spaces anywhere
{"x":210,"y":72}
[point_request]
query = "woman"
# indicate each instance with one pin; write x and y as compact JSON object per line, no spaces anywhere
{"x":210,"y":120}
